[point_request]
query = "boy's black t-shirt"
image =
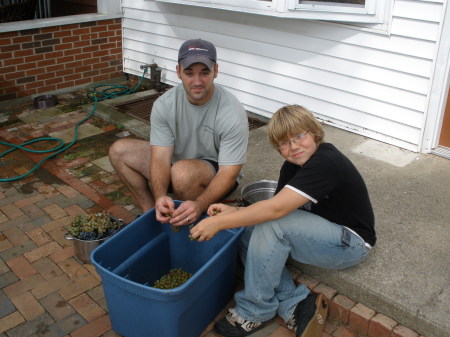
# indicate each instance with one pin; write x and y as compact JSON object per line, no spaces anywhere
{"x":336,"y":190}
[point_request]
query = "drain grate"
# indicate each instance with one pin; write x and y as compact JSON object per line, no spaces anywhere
{"x":141,"y":108}
{"x":254,"y":123}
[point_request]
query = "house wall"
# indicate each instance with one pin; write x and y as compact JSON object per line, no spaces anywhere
{"x":372,"y":82}
{"x":40,"y":60}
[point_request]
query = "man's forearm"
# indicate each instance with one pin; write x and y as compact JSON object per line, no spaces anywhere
{"x":217,"y":188}
{"x":160,"y":171}
{"x":160,"y":181}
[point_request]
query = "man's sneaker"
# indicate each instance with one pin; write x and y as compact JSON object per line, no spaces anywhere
{"x":309,"y":317}
{"x":234,"y":326}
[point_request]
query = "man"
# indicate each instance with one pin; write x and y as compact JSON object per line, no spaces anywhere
{"x":198,"y":142}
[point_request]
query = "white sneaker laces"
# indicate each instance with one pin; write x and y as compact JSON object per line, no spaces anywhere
{"x":233,"y":318}
{"x":291,"y":323}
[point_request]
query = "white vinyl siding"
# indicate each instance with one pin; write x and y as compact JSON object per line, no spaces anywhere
{"x":369,"y":82}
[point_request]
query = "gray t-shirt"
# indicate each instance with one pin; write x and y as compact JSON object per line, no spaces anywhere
{"x":217,"y":130}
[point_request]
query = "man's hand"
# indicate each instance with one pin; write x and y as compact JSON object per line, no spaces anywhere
{"x":187,"y":213}
{"x":165,"y":208}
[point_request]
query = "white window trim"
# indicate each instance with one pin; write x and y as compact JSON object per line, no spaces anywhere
{"x":250,"y":6}
{"x":373,"y":12}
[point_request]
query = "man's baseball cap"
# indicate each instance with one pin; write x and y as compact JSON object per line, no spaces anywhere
{"x":197,"y":51}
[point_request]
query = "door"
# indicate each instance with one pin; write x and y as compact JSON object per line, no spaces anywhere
{"x":444,"y":139}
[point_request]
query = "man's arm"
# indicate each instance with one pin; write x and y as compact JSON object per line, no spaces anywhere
{"x":160,"y":177}
{"x":222,"y":183}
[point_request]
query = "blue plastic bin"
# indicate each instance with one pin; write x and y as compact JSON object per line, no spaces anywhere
{"x":132,"y":260}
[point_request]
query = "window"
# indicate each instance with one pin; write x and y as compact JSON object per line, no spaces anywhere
{"x":365,"y":11}
{"x":19,"y":10}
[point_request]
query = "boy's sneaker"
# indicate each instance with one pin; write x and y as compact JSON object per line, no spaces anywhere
{"x":309,"y":317}
{"x":234,"y":326}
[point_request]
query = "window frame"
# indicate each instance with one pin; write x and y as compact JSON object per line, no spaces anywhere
{"x":372,"y":12}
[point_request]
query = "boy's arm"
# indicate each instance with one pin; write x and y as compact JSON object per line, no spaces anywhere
{"x":278,"y":206}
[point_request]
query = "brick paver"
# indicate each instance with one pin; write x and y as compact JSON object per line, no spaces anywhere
{"x":344,"y":331}
{"x":381,"y":326}
{"x":94,"y":329}
{"x":57,"y":306}
{"x":27,"y":305}
{"x":340,"y":308}
{"x":47,"y":287}
{"x":403,"y":331}
{"x":360,"y":317}
{"x":29,"y":201}
{"x":42,"y":251}
{"x":39,"y":236}
{"x":11,"y":211}
{"x":47,"y":191}
{"x":21,"y":267}
{"x":3,"y":217}
{"x":47,"y":268}
{"x":4,"y":242}
{"x":15,"y":236}
{"x":21,"y":286}
{"x":11,"y":321}
{"x":55,"y":211}
{"x":87,"y":307}
{"x":80,"y":286}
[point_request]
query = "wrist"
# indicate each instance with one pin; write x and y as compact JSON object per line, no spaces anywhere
{"x":159,"y":197}
{"x":201,"y":206}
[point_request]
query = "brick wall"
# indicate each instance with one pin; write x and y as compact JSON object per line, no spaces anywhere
{"x":46,"y":59}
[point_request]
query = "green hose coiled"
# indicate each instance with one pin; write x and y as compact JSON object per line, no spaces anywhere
{"x":96,"y":95}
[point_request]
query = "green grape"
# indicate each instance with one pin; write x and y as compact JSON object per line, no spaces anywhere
{"x":175,"y":278}
{"x":176,"y":229}
{"x":97,"y":224}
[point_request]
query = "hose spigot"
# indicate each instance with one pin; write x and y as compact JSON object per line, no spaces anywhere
{"x":146,"y":66}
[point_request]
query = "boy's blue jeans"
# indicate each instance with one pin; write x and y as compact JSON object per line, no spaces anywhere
{"x":307,"y":238}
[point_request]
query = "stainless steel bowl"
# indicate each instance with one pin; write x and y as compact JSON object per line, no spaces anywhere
{"x":45,"y":101}
{"x":84,"y":248}
{"x":257,"y":191}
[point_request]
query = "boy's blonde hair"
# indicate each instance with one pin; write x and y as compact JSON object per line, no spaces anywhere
{"x":291,"y":120}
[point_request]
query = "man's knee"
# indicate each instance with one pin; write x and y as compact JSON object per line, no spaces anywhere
{"x":179,"y":176}
{"x":116,"y":149}
{"x":128,"y":149}
{"x":191,"y":175}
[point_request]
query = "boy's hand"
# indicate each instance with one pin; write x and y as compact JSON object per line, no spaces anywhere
{"x":215,"y":209}
{"x":204,"y":230}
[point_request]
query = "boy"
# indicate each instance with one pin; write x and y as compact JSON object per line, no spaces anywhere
{"x":320,"y":215}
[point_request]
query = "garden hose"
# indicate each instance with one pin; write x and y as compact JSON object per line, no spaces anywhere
{"x":96,"y":95}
